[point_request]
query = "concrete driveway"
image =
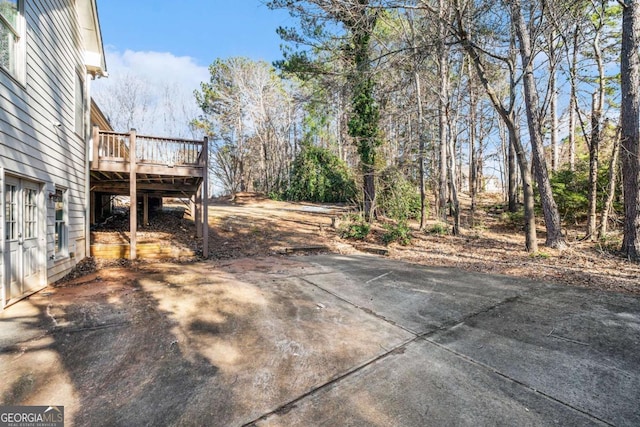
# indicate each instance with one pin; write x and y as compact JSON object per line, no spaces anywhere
{"x":323,"y":340}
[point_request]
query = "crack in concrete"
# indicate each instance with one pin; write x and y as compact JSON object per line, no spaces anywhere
{"x":515,"y":381}
{"x":425,"y":337}
{"x":365,"y":309}
{"x":289,"y":406}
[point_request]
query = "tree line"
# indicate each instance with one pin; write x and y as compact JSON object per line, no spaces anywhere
{"x":411,"y":99}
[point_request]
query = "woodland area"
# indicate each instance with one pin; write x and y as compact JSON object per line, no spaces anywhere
{"x":405,"y":107}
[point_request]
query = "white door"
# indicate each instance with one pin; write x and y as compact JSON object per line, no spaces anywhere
{"x":22,"y":228}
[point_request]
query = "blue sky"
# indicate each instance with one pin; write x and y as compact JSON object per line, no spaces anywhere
{"x":170,"y":44}
{"x":202,"y":30}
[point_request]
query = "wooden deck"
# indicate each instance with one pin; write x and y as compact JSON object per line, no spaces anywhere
{"x":149,"y":166}
{"x":162,"y":165}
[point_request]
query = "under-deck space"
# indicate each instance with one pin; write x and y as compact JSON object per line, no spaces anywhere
{"x":148,"y":168}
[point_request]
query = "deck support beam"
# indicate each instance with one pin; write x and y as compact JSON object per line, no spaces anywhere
{"x":197,"y":219}
{"x":205,"y":198}
{"x":133,"y":205}
{"x":145,"y":209}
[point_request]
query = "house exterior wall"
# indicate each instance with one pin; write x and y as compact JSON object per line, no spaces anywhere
{"x":38,"y":137}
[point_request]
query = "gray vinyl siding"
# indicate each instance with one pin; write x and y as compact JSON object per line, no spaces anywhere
{"x":30,"y":145}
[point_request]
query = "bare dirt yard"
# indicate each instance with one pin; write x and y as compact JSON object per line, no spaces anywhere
{"x":254,"y":226}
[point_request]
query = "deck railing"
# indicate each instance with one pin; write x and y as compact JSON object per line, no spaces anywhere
{"x":150,"y":150}
{"x":112,"y":146}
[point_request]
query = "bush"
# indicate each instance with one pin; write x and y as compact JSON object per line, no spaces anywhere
{"x":354,"y":228}
{"x":570,"y":191}
{"x":438,"y":228}
{"x":399,"y":232}
{"x":274,"y":195}
{"x":397,"y":197}
{"x":320,"y":176}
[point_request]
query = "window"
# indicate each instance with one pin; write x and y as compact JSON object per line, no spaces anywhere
{"x":61,"y":225}
{"x":10,"y":37}
{"x":30,"y":213}
{"x":11,"y":212}
{"x":79,"y":105}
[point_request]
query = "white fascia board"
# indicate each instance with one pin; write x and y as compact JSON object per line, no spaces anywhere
{"x":91,"y":37}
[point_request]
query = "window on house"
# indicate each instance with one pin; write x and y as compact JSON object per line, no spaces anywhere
{"x":79,"y":105}
{"x":10,"y":36}
{"x":30,"y":213}
{"x":11,"y":212}
{"x":61,"y":224}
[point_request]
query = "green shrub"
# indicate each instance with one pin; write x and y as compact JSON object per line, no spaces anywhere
{"x":399,"y":232}
{"x":354,"y":227}
{"x":570,"y":191}
{"x":540,"y":255}
{"x":610,"y":243}
{"x":438,"y":228}
{"x":320,"y":176}
{"x":397,"y":197}
{"x":274,"y":195}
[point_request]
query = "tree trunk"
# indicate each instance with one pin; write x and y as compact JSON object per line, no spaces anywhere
{"x":630,"y":131}
{"x":509,"y":119}
{"x":513,"y":179}
{"x":455,"y":203}
{"x":553,"y":105}
{"x":613,"y":173}
{"x":530,"y":232}
{"x":473,"y":161}
{"x":596,"y":131}
{"x":420,"y":130}
{"x":443,"y":71}
{"x":573,"y":102}
{"x":555,"y":239}
{"x":423,"y":193}
{"x":364,"y":123}
{"x":594,"y":148}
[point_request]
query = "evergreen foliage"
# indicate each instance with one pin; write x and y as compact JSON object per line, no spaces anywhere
{"x":399,"y":232}
{"x":320,"y":176}
{"x":397,"y":197}
{"x":571,"y":190}
{"x":354,"y":227}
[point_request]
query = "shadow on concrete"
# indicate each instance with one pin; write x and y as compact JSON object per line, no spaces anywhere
{"x":122,"y":363}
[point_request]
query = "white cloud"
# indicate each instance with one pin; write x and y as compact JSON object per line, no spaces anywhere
{"x":157,"y":67}
{"x":169,"y":82}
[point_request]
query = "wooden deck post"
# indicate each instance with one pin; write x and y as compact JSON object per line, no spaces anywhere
{"x":198,"y":212}
{"x":145,"y":209}
{"x":95,"y":154}
{"x":133,"y":205}
{"x":205,"y":199}
{"x":92,"y":207}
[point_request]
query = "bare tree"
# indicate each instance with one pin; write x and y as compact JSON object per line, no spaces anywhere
{"x":128,"y":102}
{"x":506,"y":111}
{"x":611,"y":192}
{"x":555,"y":238}
{"x":443,"y":50}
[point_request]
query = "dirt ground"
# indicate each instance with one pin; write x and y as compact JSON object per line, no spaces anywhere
{"x":252,"y":226}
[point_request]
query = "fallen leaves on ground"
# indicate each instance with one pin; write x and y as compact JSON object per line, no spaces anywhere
{"x":252,"y":226}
